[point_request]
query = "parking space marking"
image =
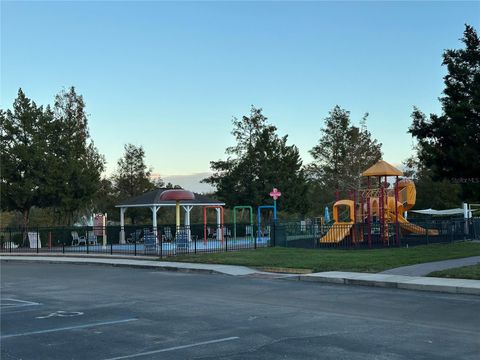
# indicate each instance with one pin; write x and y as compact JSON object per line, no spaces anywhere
{"x":61,"y":313}
{"x":8,"y":303}
{"x":174,"y":348}
{"x":68,"y":328}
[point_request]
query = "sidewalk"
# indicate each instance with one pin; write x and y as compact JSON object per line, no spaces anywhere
{"x":142,"y":262}
{"x":427,"y":268}
{"x":456,"y":286}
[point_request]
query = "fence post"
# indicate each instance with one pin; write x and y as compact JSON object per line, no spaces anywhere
{"x":451,"y":230}
{"x":38,"y":239}
{"x":254,"y":237}
{"x":63,"y":248}
{"x":87,"y":242}
{"x":135,"y":246}
{"x":273,"y":239}
{"x":426,"y":231}
{"x":225,"y":238}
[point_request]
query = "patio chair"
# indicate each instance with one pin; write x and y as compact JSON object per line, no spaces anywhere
{"x":92,"y":238}
{"x":167,"y":234}
{"x":149,"y":239}
{"x":77,"y":240}
{"x":248,"y":230}
{"x":181,"y":239}
{"x":211,"y":232}
{"x":227,"y":233}
{"x":135,"y":237}
{"x":34,"y":240}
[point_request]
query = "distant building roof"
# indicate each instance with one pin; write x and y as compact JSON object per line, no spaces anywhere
{"x":153,"y":198}
{"x":382,"y":168}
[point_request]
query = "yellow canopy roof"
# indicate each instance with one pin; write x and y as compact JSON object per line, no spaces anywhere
{"x":382,"y":168}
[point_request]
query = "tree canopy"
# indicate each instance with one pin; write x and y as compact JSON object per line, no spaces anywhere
{"x":259,"y":161}
{"x":343,"y":151}
{"x":75,"y":163}
{"x":23,"y":156}
{"x":430,"y":193}
{"x":47,"y":157}
{"x":132,"y":177}
{"x":449,"y":144}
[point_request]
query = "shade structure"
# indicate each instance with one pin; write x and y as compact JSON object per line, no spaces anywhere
{"x":154,"y":200}
{"x":382,"y":168}
{"x":176,"y":195}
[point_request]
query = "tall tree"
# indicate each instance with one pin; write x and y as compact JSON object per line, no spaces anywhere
{"x":343,"y":151}
{"x":23,"y":161}
{"x":430,"y":193}
{"x":132,"y":177}
{"x":76,"y":165}
{"x":450,"y":143}
{"x":259,"y":161}
{"x":47,"y":158}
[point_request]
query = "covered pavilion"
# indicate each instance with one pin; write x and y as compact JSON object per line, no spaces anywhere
{"x":152,"y":201}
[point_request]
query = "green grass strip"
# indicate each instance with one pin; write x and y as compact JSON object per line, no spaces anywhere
{"x":464,"y":272}
{"x":337,"y":260}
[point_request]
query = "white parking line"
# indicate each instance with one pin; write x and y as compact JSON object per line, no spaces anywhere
{"x":68,"y":328}
{"x":15,"y":303}
{"x":174,"y":348}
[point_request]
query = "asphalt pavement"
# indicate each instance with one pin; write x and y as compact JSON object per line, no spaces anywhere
{"x":69,"y":311}
{"x":455,"y":286}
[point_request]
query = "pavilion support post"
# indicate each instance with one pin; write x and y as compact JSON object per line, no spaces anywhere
{"x":154,"y":221}
{"x":219,"y":224}
{"x":187,"y":210}
{"x":122,"y":225}
{"x":177,"y":215}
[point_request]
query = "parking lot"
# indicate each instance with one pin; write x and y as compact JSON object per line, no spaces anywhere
{"x":58,"y":311}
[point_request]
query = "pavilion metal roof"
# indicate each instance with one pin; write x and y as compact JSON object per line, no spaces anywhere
{"x":152,"y":198}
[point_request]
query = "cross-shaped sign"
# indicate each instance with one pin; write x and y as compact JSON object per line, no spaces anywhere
{"x":275,"y":194}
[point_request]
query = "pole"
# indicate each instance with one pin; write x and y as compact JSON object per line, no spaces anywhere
{"x":396,"y":211}
{"x":122,"y":225}
{"x":177,"y":214}
{"x":380,"y":205}
{"x":234,"y":224}
{"x":205,"y":226}
{"x":104,"y":233}
{"x":369,"y":218}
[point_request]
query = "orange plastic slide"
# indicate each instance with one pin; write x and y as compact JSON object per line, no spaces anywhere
{"x":408,"y":226}
{"x":337,"y":232}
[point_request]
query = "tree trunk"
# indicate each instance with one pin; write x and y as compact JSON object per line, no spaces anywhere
{"x":26,"y":219}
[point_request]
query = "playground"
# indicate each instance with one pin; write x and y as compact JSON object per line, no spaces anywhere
{"x":372,"y":216}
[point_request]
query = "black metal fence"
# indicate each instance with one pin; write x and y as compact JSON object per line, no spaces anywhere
{"x":163,"y":241}
{"x":168,"y":240}
{"x":375,"y":235}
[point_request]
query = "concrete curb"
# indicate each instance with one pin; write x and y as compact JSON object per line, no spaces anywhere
{"x":132,"y":262}
{"x":453,"y":286}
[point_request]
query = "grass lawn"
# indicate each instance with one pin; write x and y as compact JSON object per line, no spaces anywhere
{"x":464,"y":272}
{"x":316,"y":260}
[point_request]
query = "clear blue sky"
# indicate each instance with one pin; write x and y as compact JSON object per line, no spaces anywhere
{"x":170,"y":75}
